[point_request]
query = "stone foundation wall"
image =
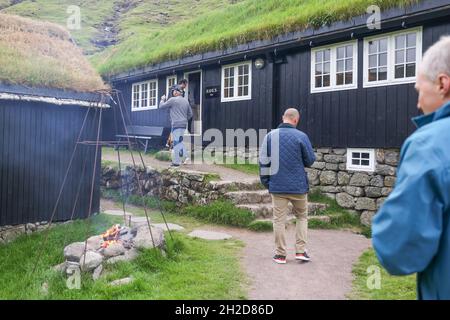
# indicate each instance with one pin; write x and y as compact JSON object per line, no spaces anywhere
{"x":363,"y":192}
{"x":182,"y":187}
{"x":9,"y":233}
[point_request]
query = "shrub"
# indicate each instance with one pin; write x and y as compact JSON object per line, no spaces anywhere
{"x":261,"y":226}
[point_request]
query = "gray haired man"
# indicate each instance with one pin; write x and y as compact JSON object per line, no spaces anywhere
{"x":180,"y":114}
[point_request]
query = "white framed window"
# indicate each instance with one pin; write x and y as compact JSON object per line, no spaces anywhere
{"x":392,"y":58}
{"x":170,"y":82}
{"x":334,"y":67}
{"x":144,"y":95}
{"x":361,"y":159}
{"x":237,"y":82}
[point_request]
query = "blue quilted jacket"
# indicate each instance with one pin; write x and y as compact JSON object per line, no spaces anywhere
{"x":283,"y":157}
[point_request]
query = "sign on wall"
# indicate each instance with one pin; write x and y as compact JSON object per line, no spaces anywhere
{"x":212,"y":92}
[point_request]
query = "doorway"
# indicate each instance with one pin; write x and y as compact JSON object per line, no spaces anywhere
{"x":194,"y":95}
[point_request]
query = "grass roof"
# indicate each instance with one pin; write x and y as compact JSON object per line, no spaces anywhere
{"x":228,"y":26}
{"x":42,"y":54}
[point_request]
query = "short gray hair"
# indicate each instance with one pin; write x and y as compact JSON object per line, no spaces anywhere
{"x":292,"y":114}
{"x":436,"y":59}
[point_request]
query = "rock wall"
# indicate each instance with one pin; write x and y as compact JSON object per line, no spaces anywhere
{"x":182,"y":187}
{"x":9,"y":233}
{"x":363,"y":192}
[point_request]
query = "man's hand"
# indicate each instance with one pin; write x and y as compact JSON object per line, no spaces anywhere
{"x":164,"y":98}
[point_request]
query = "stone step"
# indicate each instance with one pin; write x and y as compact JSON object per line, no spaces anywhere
{"x":249,"y":197}
{"x":264,"y":210}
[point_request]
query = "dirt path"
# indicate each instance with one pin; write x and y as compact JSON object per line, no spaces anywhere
{"x":224,"y":173}
{"x":327,"y":276}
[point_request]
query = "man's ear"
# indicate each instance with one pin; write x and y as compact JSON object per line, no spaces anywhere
{"x":444,"y":85}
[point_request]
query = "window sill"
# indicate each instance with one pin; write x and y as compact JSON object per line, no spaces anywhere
{"x":389,"y":83}
{"x":224,"y":100}
{"x":331,"y":89}
{"x":143,"y":109}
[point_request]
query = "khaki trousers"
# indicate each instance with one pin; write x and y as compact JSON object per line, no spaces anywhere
{"x":280,"y":211}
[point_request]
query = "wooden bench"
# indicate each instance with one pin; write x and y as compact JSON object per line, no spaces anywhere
{"x":142,"y":134}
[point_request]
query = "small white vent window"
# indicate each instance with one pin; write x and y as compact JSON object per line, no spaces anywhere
{"x":361,"y":160}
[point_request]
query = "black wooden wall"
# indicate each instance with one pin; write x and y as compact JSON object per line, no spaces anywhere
{"x":378,"y":117}
{"x":36,"y":143}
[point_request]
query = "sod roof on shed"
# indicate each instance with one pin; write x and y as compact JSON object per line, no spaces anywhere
{"x":42,"y":54}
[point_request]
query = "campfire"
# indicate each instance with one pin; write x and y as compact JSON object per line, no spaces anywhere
{"x":118,"y":243}
{"x":111,"y":236}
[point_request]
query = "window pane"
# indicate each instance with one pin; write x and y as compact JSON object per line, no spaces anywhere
{"x":327,"y":55}
{"x":372,"y":74}
{"x":400,"y":71}
{"x":383,"y":59}
{"x":382,"y":45}
{"x":411,"y":70}
{"x":400,"y":42}
{"x":326,"y":81}
{"x":411,"y":55}
{"x":318,"y":82}
{"x":340,"y":66}
{"x":326,"y":67}
{"x":365,"y":155}
{"x":349,"y":64}
{"x":356,"y":155}
{"x":411,"y":40}
{"x":372,"y":47}
{"x":341,"y":52}
{"x":365,"y":162}
{"x":246,"y":91}
{"x":372,"y":61}
{"x":319,"y":56}
{"x":382,"y":73}
{"x":349,"y":51}
{"x":356,"y":162}
{"x":340,"y":79}
{"x":240,"y":91}
{"x":399,"y":56}
{"x":319,"y":69}
{"x":348,"y":77}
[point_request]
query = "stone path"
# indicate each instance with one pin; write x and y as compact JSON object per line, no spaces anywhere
{"x":327,"y":276}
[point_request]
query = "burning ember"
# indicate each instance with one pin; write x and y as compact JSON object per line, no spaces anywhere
{"x":118,"y":234}
{"x":111,"y":236}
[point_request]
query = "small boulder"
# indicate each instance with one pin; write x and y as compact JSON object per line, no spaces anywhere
{"x":74,"y":251}
{"x":143,"y":239}
{"x":121,"y":282}
{"x":97,"y":272}
{"x":115,"y":249}
{"x":90,"y":261}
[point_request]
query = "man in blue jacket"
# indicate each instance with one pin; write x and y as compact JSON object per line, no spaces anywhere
{"x":411,"y":232}
{"x":284,"y":155}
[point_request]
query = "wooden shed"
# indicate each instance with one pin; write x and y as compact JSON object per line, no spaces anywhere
{"x":49,"y":93}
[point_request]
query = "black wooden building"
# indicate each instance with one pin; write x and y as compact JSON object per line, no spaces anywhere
{"x":39,"y":129}
{"x":354,"y":82}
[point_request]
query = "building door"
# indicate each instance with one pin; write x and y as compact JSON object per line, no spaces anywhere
{"x":194,"y":94}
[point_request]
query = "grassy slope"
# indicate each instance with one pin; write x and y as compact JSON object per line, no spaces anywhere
{"x":93,"y":12}
{"x":392,"y":287}
{"x":185,"y":274}
{"x":224,"y":27}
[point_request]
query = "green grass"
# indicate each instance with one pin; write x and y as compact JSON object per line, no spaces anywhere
{"x":136,"y":200}
{"x":184,"y":274}
{"x":392,"y":287}
{"x":221,"y":212}
{"x":261,"y":226}
{"x":228,"y":26}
